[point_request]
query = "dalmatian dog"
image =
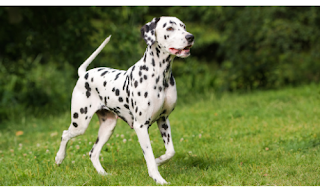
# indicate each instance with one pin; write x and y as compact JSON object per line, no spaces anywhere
{"x":144,"y":94}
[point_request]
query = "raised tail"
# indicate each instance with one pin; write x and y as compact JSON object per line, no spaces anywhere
{"x":83,"y":67}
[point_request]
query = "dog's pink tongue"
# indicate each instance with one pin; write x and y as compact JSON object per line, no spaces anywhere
{"x":174,"y":51}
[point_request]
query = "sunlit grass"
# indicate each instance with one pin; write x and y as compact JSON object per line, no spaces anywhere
{"x":262,"y":138}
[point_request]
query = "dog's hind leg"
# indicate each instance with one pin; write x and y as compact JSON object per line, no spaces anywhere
{"x":81,"y":115}
{"x":108,"y":121}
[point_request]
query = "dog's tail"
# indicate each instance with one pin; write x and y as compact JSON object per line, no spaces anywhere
{"x":82,"y":69}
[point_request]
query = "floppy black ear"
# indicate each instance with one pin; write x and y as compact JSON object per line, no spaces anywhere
{"x":148,"y":31}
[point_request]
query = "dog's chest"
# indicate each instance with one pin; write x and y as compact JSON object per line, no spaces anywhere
{"x":153,"y":90}
{"x":138,"y":93}
{"x":164,"y":102}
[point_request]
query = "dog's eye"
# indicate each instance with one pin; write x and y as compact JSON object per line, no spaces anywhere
{"x":169,"y":29}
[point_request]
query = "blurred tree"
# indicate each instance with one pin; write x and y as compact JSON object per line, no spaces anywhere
{"x":53,"y":32}
{"x":236,"y":48}
{"x":269,"y":47}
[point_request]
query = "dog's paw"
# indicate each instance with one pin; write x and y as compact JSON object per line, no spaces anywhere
{"x":104,"y":173}
{"x":58,"y":160}
{"x":161,"y":181}
{"x":159,"y":161}
{"x":158,"y":179}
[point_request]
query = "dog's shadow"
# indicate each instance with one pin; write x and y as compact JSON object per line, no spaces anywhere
{"x":180,"y":163}
{"x":189,"y":161}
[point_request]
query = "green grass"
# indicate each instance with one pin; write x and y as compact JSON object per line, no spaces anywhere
{"x":261,"y":138}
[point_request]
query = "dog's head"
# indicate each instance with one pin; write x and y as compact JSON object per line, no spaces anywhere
{"x":170,"y":34}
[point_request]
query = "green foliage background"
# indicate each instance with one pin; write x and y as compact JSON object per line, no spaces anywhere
{"x":236,"y":49}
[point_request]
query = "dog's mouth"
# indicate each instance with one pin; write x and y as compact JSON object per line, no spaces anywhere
{"x":180,"y":52}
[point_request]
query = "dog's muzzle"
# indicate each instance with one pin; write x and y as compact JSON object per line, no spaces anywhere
{"x":184,"y":52}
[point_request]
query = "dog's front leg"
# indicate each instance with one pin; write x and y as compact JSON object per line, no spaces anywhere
{"x":144,"y":140}
{"x":165,"y":130}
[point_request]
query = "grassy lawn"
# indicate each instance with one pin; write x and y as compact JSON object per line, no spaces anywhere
{"x":261,"y":138}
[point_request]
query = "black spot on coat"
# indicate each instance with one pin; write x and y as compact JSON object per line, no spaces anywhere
{"x":117,"y":76}
{"x":103,"y":73}
{"x":172,"y":22}
{"x":86,"y":76}
{"x":136,"y":84}
{"x":88,"y":94}
{"x":117,"y":92}
{"x":75,"y":115}
{"x":145,"y":57}
{"x":171,"y":80}
{"x":97,"y":140}
{"x":164,"y":25}
{"x":152,"y":62}
{"x":165,"y":126}
{"x":75,"y":124}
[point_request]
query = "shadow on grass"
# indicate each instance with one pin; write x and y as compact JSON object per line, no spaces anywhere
{"x":201,"y":162}
{"x":180,"y":161}
{"x":177,"y":170}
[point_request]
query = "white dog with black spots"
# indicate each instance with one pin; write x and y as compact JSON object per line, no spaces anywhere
{"x":144,"y":94}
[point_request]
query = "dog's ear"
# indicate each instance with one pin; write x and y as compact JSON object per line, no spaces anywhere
{"x":148,"y":31}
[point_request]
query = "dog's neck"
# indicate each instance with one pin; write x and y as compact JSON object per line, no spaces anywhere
{"x":159,"y":61}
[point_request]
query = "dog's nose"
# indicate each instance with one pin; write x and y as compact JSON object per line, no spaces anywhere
{"x":189,"y":38}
